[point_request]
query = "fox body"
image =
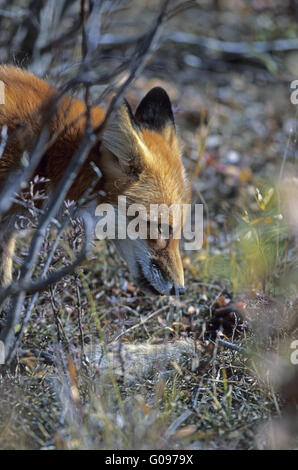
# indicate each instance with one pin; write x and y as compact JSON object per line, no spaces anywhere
{"x":138,"y":156}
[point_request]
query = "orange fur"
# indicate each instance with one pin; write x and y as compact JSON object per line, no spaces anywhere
{"x":141,"y":163}
{"x":26,"y":98}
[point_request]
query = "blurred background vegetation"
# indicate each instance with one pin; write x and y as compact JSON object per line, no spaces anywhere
{"x":228,"y":74}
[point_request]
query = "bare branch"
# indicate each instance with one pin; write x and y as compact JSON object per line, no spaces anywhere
{"x":216,"y":45}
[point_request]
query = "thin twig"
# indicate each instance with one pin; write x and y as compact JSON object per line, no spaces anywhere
{"x":141,"y":323}
{"x":225,"y":47}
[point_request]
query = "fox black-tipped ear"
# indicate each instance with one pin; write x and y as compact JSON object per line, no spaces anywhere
{"x":155,"y":110}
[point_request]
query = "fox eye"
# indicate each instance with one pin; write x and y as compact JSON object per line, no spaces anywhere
{"x":163,"y":237}
{"x":160,"y":235}
{"x":165,"y":230}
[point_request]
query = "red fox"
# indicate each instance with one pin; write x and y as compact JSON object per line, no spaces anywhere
{"x":139,"y":157}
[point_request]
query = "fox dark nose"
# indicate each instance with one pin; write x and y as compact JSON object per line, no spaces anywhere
{"x":177,"y":290}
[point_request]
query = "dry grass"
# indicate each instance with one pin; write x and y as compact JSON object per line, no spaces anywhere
{"x":181,"y":389}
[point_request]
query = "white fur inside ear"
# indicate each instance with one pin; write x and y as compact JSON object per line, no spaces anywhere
{"x":122,"y":139}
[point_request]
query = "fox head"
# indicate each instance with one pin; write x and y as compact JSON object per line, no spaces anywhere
{"x":141,"y":160}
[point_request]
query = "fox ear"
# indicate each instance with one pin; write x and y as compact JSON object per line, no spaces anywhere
{"x":122,"y":139}
{"x":155,"y":111}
